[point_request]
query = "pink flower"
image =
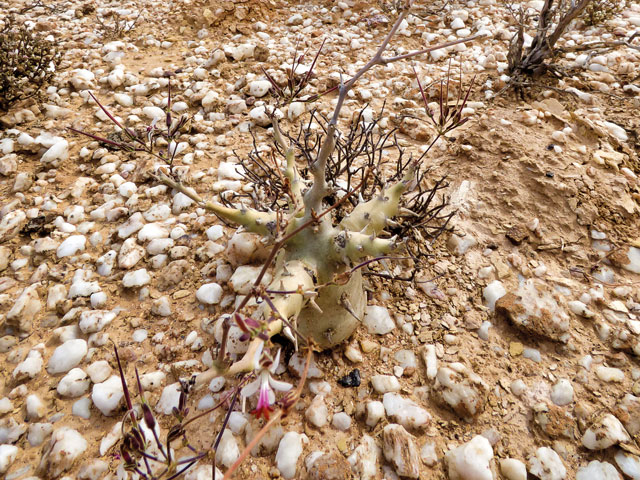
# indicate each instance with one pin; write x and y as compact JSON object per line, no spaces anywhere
{"x":266,"y":384}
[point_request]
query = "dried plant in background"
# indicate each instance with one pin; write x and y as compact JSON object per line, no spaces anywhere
{"x":112,"y":25}
{"x":599,"y":11}
{"x":27,"y":62}
{"x":552,"y":22}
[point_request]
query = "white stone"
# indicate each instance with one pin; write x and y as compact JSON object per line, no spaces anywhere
{"x":289,"y":450}
{"x":492,"y":293}
{"x":546,"y":464}
{"x":259,"y":88}
{"x":140,"y":335}
{"x":596,"y":470}
{"x":35,"y":408}
{"x":215,"y":232}
{"x":135,"y":279}
{"x":8,"y":455}
{"x":629,"y":464}
{"x":562,"y":392}
{"x":82,"y":79}
{"x":428,"y":454}
{"x":377,"y":320}
{"x":399,"y":448}
{"x":73,"y":384}
{"x":260,"y":117}
{"x":123,"y":99}
{"x":513,"y":469}
{"x":38,"y":433}
{"x":169,"y":398}
{"x":92,"y":321}
{"x":65,"y":446}
{"x":364,"y":459}
{"x":131,"y":226}
{"x":67,"y":356}
{"x":296,"y":109}
{"x":375,"y":412}
{"x":209,"y":293}
{"x":228,"y":451}
{"x":111,"y":438}
{"x":152,"y":380}
{"x":127,"y":189}
{"x":71,"y":245}
{"x":341,"y":421}
{"x":634,"y":260}
{"x":580,"y":309}
{"x":457,"y":23}
{"x":93,"y":470}
{"x":5,"y":405}
{"x":317,"y":413}
{"x":471,"y":460}
{"x":244,"y":277}
{"x":152,"y":231}
{"x":604,"y":433}
{"x":609,"y":374}
{"x":29,"y":367}
{"x":385,"y":383}
{"x":82,"y":408}
{"x":59,"y":151}
{"x":104,"y":264}
{"x":106,"y":396}
{"x":25,"y":308}
{"x":154,"y":113}
{"x":405,"y":411}
{"x":161,"y":306}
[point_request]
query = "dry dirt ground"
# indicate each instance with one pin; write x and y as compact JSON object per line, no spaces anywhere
{"x":544,"y":186}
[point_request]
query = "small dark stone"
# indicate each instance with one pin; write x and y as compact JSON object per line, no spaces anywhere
{"x":351,"y":380}
{"x":517,"y":234}
{"x":549,"y":174}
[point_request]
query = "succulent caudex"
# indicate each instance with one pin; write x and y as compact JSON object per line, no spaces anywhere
{"x":317,"y":288}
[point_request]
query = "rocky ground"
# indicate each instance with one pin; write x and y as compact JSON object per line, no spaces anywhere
{"x":519,"y":355}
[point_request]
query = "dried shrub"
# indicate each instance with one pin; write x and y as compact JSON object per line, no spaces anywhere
{"x":27,"y":62}
{"x":554,"y":19}
{"x":599,"y":11}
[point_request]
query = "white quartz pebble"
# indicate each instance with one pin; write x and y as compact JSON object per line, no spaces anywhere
{"x":513,"y":469}
{"x":228,"y":451}
{"x":73,"y":384}
{"x":71,"y":245}
{"x":135,"y":279}
{"x":629,"y":464}
{"x":341,"y":421}
{"x":405,"y":411}
{"x":492,"y":293}
{"x":259,"y":88}
{"x":604,"y":433}
{"x":377,"y":320}
{"x":385,"y":383}
{"x":106,"y":396}
{"x":8,"y":455}
{"x":317,"y":413}
{"x":562,"y":392}
{"x":65,"y":446}
{"x":67,"y":356}
{"x":375,"y":412}
{"x":289,"y":450}
{"x":546,"y":464}
{"x":169,"y":398}
{"x":596,"y":470}
{"x":209,"y":293}
{"x":471,"y":460}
